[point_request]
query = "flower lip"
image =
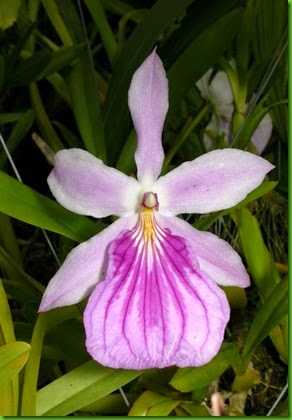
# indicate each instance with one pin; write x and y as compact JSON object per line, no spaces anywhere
{"x":150,"y":201}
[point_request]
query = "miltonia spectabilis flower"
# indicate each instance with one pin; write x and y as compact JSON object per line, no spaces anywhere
{"x":152,"y":278}
{"x":218,"y":91}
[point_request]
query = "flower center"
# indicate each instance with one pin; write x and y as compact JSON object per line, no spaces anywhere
{"x":149,"y":203}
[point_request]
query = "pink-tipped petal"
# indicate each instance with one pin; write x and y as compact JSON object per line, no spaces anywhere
{"x":83,"y":268}
{"x":155,"y":308}
{"x":215,"y":256}
{"x":214,"y":181}
{"x":85,"y":185}
{"x":148,"y":103}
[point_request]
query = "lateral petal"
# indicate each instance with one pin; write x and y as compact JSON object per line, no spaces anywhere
{"x":85,"y":185}
{"x":148,"y":103}
{"x":215,"y":256}
{"x":155,"y":307}
{"x":83,"y":268}
{"x":214,"y":181}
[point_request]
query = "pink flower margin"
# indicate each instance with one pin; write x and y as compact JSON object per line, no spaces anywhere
{"x":151,"y":277}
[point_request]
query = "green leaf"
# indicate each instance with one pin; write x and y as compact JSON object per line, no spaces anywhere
{"x":81,"y":387}
{"x":6,"y":118}
{"x":6,"y":324}
{"x":27,"y":205}
{"x":48,"y":133}
{"x":266,"y":46}
{"x":13,"y":357}
{"x":147,"y":401}
{"x":60,"y":86}
{"x":110,"y":404}
{"x":8,"y":239}
{"x":9,"y":13}
{"x":2,"y":71}
{"x":28,"y":70}
{"x":70,"y":13}
{"x":55,"y":17}
{"x":260,"y":263}
{"x":163,"y":408}
{"x":20,"y":291}
{"x":268,"y":316}
{"x":195,"y":410}
{"x":44,"y":323}
{"x":19,"y":131}
{"x":67,"y":340}
{"x":85,"y":103}
{"x":71,"y":139}
{"x":188,"y":379}
{"x":9,"y":392}
{"x":17,"y":273}
{"x":202,"y":54}
{"x":60,"y":59}
{"x":96,"y":10}
{"x":250,"y":378}
{"x":205,"y":222}
{"x":200,"y":15}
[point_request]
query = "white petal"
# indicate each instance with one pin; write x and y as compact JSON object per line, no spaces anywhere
{"x":85,"y":185}
{"x":217,"y":180}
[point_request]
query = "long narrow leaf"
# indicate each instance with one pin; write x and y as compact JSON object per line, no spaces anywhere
{"x":85,"y":103}
{"x":13,"y":357}
{"x":44,"y":323}
{"x":9,"y":392}
{"x":19,"y":131}
{"x":81,"y":387}
{"x":268,"y":316}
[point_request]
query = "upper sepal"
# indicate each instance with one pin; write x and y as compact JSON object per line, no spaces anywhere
{"x":148,"y":103}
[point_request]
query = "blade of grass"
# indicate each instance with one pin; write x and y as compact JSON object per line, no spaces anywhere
{"x":268,"y":316}
{"x":17,"y":134}
{"x":13,"y":357}
{"x":44,"y":323}
{"x":55,"y":17}
{"x":97,"y":12}
{"x":80,"y":387}
{"x":85,"y":103}
{"x":48,"y":132}
{"x":8,"y":239}
{"x":9,"y":393}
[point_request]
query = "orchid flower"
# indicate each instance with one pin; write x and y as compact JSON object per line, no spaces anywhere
{"x":218,"y":91}
{"x":152,"y":278}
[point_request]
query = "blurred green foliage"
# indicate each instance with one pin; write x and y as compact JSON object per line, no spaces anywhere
{"x":65,"y":70}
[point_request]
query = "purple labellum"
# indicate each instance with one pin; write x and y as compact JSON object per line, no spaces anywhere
{"x":155,"y":308}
